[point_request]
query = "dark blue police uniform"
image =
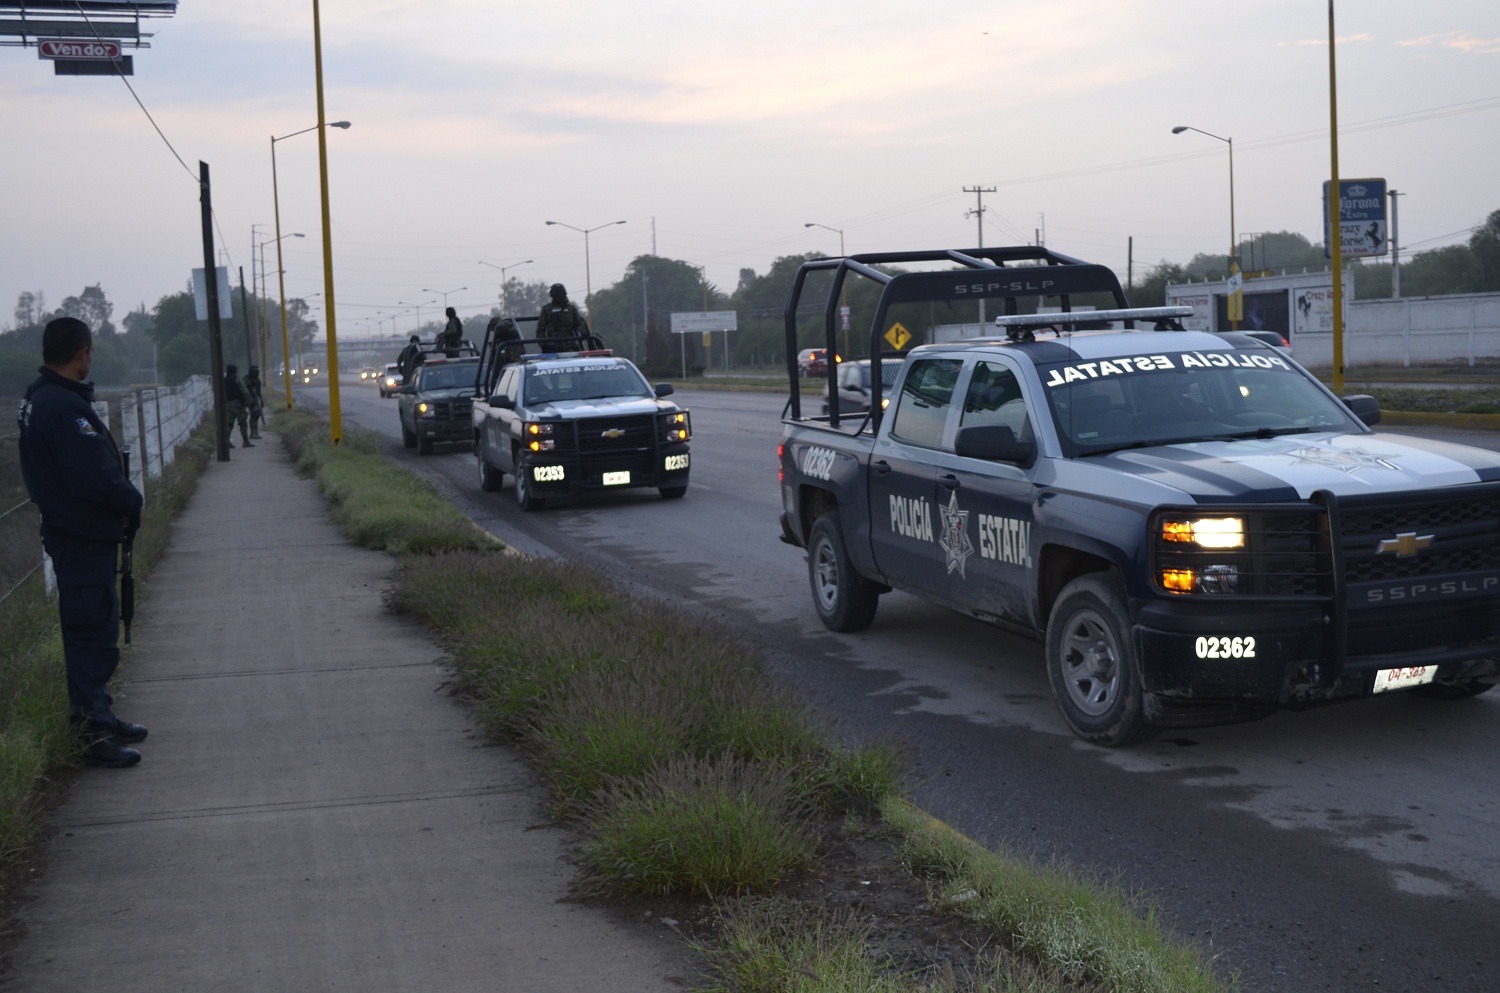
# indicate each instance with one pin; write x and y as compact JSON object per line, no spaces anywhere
{"x":74,"y":474}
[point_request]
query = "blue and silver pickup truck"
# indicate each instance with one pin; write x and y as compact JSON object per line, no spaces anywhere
{"x":1194,"y":527}
{"x":577,"y":422}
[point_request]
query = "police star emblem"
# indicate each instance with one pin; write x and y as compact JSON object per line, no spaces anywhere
{"x":955,"y":536}
{"x":1346,"y":460}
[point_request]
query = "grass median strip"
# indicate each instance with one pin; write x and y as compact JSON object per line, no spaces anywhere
{"x":691,"y":774}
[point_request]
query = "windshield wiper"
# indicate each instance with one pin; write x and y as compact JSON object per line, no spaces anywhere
{"x":1264,"y":432}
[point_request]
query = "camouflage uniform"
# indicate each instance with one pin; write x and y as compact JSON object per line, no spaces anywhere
{"x":257,"y":402}
{"x":407,"y":361}
{"x":560,"y":325}
{"x":236,"y":406}
{"x":453,"y":335}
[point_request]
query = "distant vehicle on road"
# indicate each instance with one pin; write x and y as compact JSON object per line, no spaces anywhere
{"x":812,"y":362}
{"x":390,"y":381}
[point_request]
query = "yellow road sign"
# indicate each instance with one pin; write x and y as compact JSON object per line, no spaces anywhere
{"x":898,"y":336}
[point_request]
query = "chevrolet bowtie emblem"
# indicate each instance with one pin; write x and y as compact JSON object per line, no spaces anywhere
{"x":613,"y":433}
{"x":1404,"y":545}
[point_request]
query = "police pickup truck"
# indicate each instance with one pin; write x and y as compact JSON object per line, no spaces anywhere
{"x":1194,"y":527}
{"x":434,"y":406}
{"x":581,"y":421}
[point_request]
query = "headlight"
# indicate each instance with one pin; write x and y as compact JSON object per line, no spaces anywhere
{"x":1199,"y":553}
{"x":424,"y":410}
{"x":1205,"y":532}
{"x":539,"y":436}
{"x":676,"y":426}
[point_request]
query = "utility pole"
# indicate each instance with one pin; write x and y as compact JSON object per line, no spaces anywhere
{"x":978,"y":211}
{"x":1395,"y":250}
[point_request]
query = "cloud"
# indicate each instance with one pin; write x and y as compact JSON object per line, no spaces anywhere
{"x":1343,"y":39}
{"x":1461,"y":40}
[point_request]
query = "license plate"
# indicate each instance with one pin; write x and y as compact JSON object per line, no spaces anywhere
{"x":1399,"y":679}
{"x":616,"y":478}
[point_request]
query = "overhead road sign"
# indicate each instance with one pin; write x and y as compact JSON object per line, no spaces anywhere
{"x":1362,"y":218}
{"x":94,"y":8}
{"x":707,"y":320}
{"x":123,"y":66}
{"x":81,"y":49}
{"x":36,"y":30}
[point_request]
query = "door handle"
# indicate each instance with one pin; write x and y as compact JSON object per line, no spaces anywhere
{"x":882,"y":467}
{"x":948,"y":482}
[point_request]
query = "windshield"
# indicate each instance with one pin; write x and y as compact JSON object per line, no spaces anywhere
{"x":596,"y":382}
{"x":1135,"y":401}
{"x":447,"y":377}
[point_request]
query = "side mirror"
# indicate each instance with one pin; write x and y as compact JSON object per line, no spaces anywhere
{"x":1365,"y":407}
{"x":995,"y":443}
{"x":663,"y":390}
{"x":408,"y":388}
{"x":502,"y":401}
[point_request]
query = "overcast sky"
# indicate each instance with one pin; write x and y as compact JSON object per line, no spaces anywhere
{"x":718,"y":130}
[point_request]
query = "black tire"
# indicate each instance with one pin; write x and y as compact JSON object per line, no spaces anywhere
{"x":489,"y":477}
{"x":408,"y":437}
{"x":1461,"y":689}
{"x":1091,"y":663}
{"x":424,"y":444}
{"x":844,"y":600}
{"x":526,"y":497}
{"x":672,"y":492}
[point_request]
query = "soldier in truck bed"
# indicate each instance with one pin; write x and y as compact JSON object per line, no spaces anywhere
{"x":559,"y":324}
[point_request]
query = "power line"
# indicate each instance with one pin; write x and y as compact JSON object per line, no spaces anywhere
{"x":123,"y":79}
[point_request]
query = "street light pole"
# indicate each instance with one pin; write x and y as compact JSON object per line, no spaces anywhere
{"x":1236,"y":306}
{"x":588,"y":279}
{"x":444,"y":295}
{"x":281,"y":279}
{"x":844,"y":286}
{"x":418,"y":308}
{"x":286,"y":358}
{"x":504,"y":289}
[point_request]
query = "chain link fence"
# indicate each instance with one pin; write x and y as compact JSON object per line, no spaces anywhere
{"x":153,"y":421}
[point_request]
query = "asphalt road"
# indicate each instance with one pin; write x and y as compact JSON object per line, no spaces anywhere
{"x":1347,"y":849}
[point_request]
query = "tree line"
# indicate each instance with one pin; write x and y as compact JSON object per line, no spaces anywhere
{"x":168,"y":344}
{"x":1473,"y":267}
{"x":164,"y":344}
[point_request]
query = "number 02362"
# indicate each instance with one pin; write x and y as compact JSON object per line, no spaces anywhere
{"x":1225,"y":647}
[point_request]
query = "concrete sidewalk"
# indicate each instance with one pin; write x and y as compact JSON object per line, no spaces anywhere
{"x":313,"y":811}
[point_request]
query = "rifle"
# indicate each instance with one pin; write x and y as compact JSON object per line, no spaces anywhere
{"x":127,"y":563}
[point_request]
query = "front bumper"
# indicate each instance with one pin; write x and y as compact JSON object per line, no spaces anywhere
{"x":1267,"y":654}
{"x":558,"y":475}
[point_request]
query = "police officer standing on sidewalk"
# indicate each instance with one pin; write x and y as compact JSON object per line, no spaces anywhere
{"x":75,"y":476}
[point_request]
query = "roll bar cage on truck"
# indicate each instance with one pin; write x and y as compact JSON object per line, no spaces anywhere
{"x":1196,"y":529}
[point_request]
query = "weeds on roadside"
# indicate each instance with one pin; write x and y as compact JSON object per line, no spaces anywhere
{"x":1085,"y":931}
{"x":378,"y":504}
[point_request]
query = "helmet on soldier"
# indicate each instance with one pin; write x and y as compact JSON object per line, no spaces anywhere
{"x":558,"y":291}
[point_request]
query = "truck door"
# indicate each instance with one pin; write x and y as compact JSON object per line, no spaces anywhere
{"x":497,"y":427}
{"x":904,"y":518}
{"x":986,"y":514}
